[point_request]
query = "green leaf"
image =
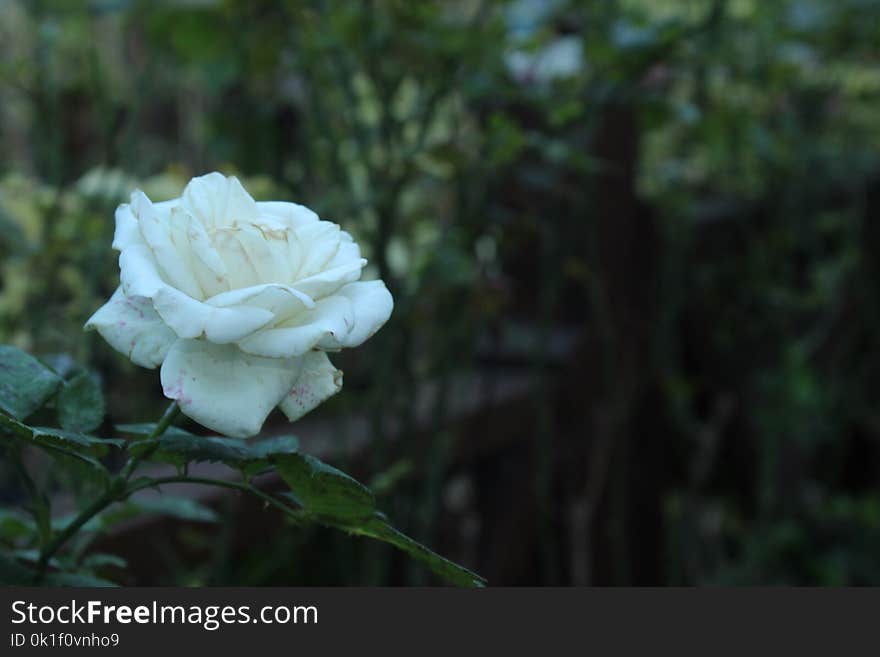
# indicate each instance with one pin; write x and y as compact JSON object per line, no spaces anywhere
{"x":75,"y":440}
{"x":77,"y":579}
{"x":52,"y":437}
{"x":326,"y":495}
{"x":167,"y":505}
{"x":335,"y":499}
{"x":80,"y":404}
{"x":14,"y":573}
{"x":178,"y":507}
{"x":178,"y":447}
{"x":25,"y":383}
{"x":275,"y":446}
{"x":323,"y":491}
{"x":102,"y":560}
{"x":378,"y":527}
{"x":71,"y":443}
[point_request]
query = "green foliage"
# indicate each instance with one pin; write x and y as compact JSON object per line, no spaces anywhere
{"x":182,"y":508}
{"x":179,"y":447}
{"x":15,"y":525}
{"x":12,"y":573}
{"x":80,"y":404}
{"x":69,"y":443}
{"x":25,"y":383}
{"x":333,"y":498}
{"x":325,"y":494}
{"x":379,"y":528}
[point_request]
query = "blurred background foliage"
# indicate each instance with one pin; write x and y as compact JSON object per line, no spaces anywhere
{"x":658,"y":216}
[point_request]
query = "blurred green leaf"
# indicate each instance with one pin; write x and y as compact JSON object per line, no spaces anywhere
{"x":13,"y":573}
{"x":101,"y":560}
{"x":167,"y":505}
{"x":12,"y":237}
{"x":182,"y":508}
{"x":25,"y":383}
{"x":80,"y":404}
{"x":32,"y":555}
{"x":77,"y":579}
{"x":15,"y":525}
{"x":387,"y":480}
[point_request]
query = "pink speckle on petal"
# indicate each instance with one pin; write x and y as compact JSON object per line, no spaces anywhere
{"x":135,"y":308}
{"x":175,"y":391}
{"x":303,"y":396}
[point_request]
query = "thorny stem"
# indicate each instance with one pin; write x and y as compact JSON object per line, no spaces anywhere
{"x":268,"y":499}
{"x":167,"y":418}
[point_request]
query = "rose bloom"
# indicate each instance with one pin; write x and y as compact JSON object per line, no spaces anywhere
{"x":239,"y":302}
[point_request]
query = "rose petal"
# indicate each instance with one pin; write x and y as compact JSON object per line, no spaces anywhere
{"x":240,"y":268}
{"x":349,"y":252}
{"x":224,"y":389}
{"x":323,"y":327}
{"x":187,"y":317}
{"x":267,"y":255}
{"x":127,"y":231}
{"x":132,"y":327}
{"x":207,"y":265}
{"x":139,"y":271}
{"x":372,"y":304}
{"x":292,"y":215}
{"x":219,"y":202}
{"x":283,"y":301}
{"x":327,"y":282}
{"x":156,"y":230}
{"x":317,"y":382}
{"x":190,"y":318}
{"x":320,"y":242}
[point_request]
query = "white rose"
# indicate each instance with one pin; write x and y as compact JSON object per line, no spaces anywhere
{"x":238,"y":301}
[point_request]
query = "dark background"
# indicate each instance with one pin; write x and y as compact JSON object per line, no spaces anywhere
{"x":632,"y":245}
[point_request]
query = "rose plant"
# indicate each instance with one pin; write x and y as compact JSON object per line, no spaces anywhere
{"x":238,"y":302}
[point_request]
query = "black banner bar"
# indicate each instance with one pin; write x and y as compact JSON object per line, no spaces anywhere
{"x":134,"y":621}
